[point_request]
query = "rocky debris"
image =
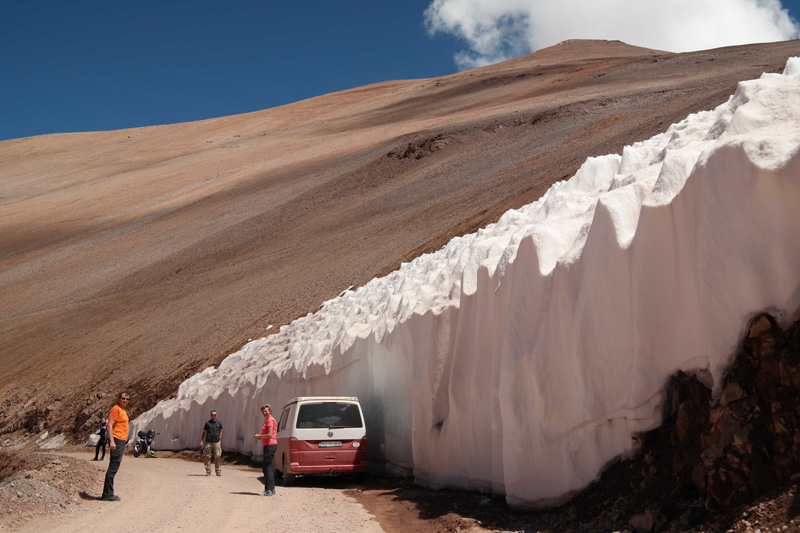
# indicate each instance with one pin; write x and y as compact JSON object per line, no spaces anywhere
{"x":420,"y":148}
{"x":770,"y":515}
{"x":713,"y":457}
{"x":644,"y":522}
{"x":36,"y":483}
{"x":27,"y":489}
{"x":750,"y":438}
{"x":45,"y":442}
{"x":14,"y":442}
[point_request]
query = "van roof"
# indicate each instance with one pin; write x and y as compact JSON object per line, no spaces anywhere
{"x":321,"y":398}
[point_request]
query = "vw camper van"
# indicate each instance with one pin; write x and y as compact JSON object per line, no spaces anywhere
{"x":321,"y":435}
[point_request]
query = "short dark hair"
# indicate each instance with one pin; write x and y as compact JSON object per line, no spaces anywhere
{"x":121,"y":393}
{"x":213,"y":411}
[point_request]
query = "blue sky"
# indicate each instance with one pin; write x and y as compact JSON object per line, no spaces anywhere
{"x":91,"y":65}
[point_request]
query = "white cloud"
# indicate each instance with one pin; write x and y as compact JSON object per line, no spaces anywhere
{"x":495,"y":30}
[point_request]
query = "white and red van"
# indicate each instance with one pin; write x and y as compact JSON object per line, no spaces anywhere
{"x":321,"y":435}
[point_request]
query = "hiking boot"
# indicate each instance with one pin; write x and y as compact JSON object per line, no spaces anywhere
{"x":113,"y":498}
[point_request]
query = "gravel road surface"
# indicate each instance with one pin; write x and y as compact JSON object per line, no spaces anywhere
{"x":169,"y":494}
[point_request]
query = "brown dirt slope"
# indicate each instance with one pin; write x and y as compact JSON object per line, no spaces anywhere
{"x":135,"y":258}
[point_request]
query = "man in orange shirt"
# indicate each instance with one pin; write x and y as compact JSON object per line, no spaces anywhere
{"x":118,"y":438}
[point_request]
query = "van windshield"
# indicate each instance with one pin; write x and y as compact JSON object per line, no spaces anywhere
{"x":329,"y":415}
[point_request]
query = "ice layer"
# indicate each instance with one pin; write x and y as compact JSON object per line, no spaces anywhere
{"x":522,"y":358}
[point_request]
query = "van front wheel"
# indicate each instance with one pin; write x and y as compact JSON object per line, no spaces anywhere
{"x":288,"y":478}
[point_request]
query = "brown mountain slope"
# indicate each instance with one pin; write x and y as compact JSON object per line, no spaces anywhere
{"x":135,"y":258}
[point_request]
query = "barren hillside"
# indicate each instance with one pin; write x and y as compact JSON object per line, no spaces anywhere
{"x":133,"y":259}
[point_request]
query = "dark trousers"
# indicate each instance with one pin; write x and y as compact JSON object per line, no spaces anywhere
{"x":268,"y":466}
{"x":101,"y":442}
{"x":113,"y":467}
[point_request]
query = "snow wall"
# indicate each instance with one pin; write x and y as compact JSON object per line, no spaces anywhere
{"x":523,"y":358}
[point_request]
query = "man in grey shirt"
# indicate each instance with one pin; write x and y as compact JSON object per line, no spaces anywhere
{"x":211,"y":441}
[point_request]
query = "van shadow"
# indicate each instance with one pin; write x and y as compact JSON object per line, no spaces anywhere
{"x":400,"y":506}
{"x":337,"y":482}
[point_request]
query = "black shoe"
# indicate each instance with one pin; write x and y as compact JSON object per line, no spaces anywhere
{"x":95,"y":459}
{"x":114,"y":498}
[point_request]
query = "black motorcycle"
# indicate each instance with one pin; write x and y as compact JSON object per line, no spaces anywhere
{"x":144,"y":444}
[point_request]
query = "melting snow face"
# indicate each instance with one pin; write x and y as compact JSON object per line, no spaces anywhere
{"x":524,"y":357}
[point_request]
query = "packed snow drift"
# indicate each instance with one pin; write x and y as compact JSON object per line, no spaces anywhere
{"x":523,"y":358}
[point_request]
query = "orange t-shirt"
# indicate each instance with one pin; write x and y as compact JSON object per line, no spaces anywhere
{"x":120,"y":418}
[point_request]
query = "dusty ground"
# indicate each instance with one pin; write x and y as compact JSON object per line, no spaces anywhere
{"x":59,"y":491}
{"x":133,"y":259}
{"x":170,"y":494}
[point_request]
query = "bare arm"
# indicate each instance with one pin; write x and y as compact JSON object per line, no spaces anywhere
{"x":203,"y":437}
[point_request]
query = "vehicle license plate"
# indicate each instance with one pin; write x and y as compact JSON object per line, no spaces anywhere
{"x":330,"y":444}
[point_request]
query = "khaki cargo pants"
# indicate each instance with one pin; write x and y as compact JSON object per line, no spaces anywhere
{"x":212,"y":449}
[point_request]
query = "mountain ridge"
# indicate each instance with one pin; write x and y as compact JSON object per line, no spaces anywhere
{"x":133,"y":259}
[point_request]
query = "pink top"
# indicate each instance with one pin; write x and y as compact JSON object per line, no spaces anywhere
{"x":267,"y":423}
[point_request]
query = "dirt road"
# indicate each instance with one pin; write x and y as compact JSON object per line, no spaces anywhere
{"x":169,"y":494}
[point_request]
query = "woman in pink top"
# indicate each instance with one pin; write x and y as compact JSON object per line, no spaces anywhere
{"x":269,"y":441}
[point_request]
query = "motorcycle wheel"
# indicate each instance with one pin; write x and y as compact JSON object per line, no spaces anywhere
{"x":136,"y":450}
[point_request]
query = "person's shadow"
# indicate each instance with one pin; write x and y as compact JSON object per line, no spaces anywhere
{"x":86,"y":496}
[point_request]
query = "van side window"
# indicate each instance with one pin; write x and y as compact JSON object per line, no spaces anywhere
{"x":284,"y":417}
